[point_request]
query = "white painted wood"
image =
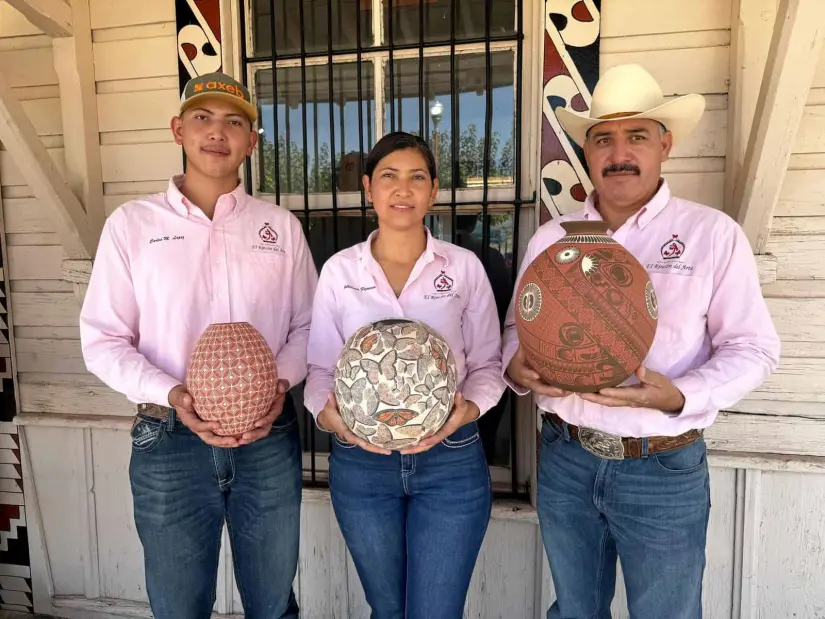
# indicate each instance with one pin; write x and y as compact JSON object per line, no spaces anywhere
{"x":31,"y":309}
{"x":675,"y":70}
{"x":70,"y":394}
{"x":741,"y":432}
{"x":798,"y":35}
{"x":494,"y":594}
{"x":141,"y":162}
{"x":810,"y":138}
{"x":751,"y":29}
{"x":144,"y":31}
{"x":795,"y":288}
{"x":132,"y":59}
{"x":74,"y":64}
{"x":134,"y":111}
{"x":110,"y":13}
{"x":800,"y":257}
{"x":57,"y":458}
{"x":790,"y":563}
{"x":708,"y":139}
{"x":12,"y":175}
{"x":20,"y":138}
{"x":77,"y":271}
{"x":50,"y":356}
{"x":91,"y":572}
{"x":53,"y":17}
{"x":642,"y":17}
{"x":766,"y":265}
{"x":670,"y":40}
{"x":14,"y":24}
{"x":41,"y":285}
{"x":28,"y":67}
{"x":36,"y":262}
{"x":792,"y":226}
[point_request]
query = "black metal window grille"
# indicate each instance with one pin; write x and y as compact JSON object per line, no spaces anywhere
{"x":330,"y":77}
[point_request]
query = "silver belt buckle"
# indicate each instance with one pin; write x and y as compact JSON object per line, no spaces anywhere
{"x":601,"y":444}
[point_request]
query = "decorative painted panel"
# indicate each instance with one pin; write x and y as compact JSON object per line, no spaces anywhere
{"x":199,"y":38}
{"x":571,"y":69}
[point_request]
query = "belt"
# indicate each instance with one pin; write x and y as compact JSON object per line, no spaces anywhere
{"x":154,"y":410}
{"x":611,"y":447}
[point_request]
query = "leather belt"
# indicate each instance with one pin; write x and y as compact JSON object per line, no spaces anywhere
{"x":611,"y":447}
{"x":154,"y":410}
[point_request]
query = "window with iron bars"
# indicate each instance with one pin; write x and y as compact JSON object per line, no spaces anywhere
{"x":330,"y":77}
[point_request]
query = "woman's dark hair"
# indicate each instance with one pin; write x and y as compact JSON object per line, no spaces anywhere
{"x":399,"y":140}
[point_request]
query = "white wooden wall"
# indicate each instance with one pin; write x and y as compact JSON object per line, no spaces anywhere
{"x":766,"y":549}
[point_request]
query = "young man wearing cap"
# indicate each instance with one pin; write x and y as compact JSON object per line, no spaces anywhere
{"x":168,"y":265}
{"x":623,"y":472}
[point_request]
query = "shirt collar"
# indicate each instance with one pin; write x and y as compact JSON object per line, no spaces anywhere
{"x":432,"y":249}
{"x":229,"y":203}
{"x":645,"y":215}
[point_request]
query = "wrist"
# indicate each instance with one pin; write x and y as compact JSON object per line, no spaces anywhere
{"x":678,"y":405}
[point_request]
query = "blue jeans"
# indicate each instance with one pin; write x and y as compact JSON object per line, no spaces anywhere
{"x":414,"y":524}
{"x":651,"y":512}
{"x":184,"y":490}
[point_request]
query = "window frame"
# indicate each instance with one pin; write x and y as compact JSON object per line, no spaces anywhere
{"x":524,"y":440}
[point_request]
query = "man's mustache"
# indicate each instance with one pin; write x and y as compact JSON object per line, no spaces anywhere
{"x":621,"y":167}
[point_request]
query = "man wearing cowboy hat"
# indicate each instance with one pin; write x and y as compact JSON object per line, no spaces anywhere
{"x":623,"y":472}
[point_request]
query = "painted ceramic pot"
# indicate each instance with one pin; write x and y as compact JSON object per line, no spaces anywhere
{"x":232,"y":376}
{"x":395,"y":382}
{"x":587,"y":311}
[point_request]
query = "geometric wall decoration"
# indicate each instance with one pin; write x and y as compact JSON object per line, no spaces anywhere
{"x":571,"y":70}
{"x":15,"y":573}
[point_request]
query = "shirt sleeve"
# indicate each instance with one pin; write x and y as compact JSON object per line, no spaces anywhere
{"x":509,"y":338}
{"x":109,"y":322}
{"x":326,"y":340}
{"x":292,"y":357}
{"x":744,"y":342}
{"x":483,"y":383}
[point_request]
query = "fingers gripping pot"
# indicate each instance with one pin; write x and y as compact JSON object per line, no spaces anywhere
{"x":395,"y":382}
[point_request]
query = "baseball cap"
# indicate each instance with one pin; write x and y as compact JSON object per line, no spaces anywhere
{"x":218,"y":85}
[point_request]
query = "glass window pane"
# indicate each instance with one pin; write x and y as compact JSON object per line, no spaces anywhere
{"x":495,"y":425}
{"x":352,"y":229}
{"x":346,"y":14}
{"x":403,"y":109}
{"x":320,"y":151}
{"x":406,"y":16}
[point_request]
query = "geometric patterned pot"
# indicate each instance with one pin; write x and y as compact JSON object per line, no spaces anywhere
{"x":232,"y":376}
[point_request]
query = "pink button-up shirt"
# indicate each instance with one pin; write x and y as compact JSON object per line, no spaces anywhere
{"x":164,"y":272}
{"x":447,"y":289}
{"x":715,"y":339}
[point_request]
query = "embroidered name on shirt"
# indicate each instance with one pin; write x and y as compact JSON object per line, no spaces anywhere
{"x":357,"y":289}
{"x":160,"y":239}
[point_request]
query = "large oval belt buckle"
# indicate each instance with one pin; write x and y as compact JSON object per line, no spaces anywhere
{"x":601,"y":444}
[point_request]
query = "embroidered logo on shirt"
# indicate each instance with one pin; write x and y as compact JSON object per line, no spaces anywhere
{"x":267,"y":234}
{"x":443,"y":283}
{"x":269,"y":241}
{"x":673,"y":248}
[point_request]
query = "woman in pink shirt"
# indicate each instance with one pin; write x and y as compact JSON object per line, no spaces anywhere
{"x":413,"y":520}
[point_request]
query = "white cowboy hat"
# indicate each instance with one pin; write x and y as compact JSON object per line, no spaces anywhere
{"x":628,"y":91}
